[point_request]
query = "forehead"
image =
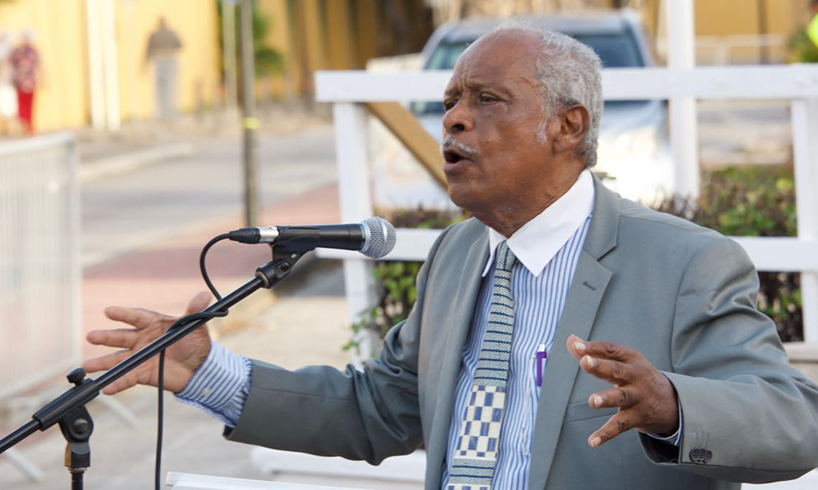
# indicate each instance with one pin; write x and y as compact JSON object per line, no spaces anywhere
{"x":498,"y":59}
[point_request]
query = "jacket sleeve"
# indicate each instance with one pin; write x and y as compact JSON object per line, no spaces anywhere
{"x":363,"y":415}
{"x":748,"y":415}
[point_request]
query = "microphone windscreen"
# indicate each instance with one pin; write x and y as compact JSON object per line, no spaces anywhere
{"x":380,"y":237}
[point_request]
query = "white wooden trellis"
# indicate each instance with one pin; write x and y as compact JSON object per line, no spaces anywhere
{"x":798,"y":83}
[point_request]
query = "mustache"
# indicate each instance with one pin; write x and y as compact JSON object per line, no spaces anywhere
{"x":450,"y":142}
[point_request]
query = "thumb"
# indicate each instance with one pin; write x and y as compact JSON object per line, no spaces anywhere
{"x":198,"y":303}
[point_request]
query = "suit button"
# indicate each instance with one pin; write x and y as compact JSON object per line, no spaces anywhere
{"x":708,"y":455}
{"x":696,"y":454}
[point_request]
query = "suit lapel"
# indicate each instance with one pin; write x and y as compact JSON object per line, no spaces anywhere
{"x":588,"y":287}
{"x":457,"y":323}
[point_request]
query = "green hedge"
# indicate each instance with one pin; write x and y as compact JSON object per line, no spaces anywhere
{"x":747,"y":201}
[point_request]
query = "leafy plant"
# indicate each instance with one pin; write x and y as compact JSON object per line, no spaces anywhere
{"x":397,"y":278}
{"x":802,"y":49}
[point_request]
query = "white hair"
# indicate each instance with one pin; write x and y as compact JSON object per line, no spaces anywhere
{"x":570,"y":74}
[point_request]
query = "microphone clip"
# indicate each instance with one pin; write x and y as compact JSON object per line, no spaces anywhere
{"x":280,"y":267}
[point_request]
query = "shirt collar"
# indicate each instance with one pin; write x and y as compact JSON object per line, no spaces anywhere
{"x":537,"y":241}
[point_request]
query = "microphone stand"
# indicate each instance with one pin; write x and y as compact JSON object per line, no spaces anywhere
{"x":68,"y":410}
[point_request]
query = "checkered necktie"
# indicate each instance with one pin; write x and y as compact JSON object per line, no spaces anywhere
{"x":475,"y":458}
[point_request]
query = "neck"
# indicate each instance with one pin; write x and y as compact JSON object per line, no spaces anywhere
{"x":506,"y":219}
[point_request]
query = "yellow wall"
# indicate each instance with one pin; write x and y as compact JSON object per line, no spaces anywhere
{"x":727,"y":17}
{"x":196,"y":24}
{"x":61,"y":99}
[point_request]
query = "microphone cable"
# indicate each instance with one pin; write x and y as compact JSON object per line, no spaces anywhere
{"x":160,"y":382}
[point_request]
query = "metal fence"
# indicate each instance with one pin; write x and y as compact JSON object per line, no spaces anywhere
{"x":39,"y":260}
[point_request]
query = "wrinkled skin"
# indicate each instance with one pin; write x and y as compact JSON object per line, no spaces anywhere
{"x":494,"y":106}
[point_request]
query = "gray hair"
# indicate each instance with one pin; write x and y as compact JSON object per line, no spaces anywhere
{"x":570,"y":74}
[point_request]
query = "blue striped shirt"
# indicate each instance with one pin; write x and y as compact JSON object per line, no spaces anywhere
{"x":220,"y":386}
{"x":538,"y":305}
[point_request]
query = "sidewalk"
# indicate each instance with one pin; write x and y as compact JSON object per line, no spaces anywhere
{"x":299,"y":330}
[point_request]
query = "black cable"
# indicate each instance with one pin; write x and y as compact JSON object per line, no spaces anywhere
{"x":160,"y":382}
{"x":157,"y":476}
{"x":203,"y":267}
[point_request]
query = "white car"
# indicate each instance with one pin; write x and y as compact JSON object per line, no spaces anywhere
{"x":634,"y":154}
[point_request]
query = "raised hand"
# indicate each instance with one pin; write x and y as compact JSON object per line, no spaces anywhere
{"x":645,"y":397}
{"x":181,"y":359}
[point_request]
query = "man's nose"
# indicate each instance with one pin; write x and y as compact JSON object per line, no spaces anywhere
{"x":457,"y":119}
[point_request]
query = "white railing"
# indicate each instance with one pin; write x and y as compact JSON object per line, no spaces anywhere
{"x":39,"y":261}
{"x":797,"y":83}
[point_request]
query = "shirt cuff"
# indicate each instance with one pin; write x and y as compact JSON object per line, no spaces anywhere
{"x":220,"y":386}
{"x":677,"y":436}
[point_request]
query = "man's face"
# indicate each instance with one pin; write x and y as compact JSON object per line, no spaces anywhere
{"x":494,"y":107}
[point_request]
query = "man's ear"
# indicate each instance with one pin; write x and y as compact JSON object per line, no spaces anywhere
{"x":574,"y":122}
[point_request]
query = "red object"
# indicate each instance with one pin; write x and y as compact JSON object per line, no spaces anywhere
{"x":25,"y":106}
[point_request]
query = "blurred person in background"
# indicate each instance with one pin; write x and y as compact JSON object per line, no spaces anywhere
{"x":163,"y":49}
{"x":25,"y":63}
{"x":8,"y":96}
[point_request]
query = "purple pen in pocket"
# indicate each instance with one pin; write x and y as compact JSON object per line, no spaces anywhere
{"x":541,"y":356}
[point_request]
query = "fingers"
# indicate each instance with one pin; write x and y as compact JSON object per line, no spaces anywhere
{"x":624,"y":397}
{"x":124,"y":338}
{"x":198,"y":302}
{"x":103,"y":363}
{"x":137,"y":317}
{"x":615,"y":372}
{"x":618,"y":424}
{"x":122,"y":384}
{"x":598,"y":349}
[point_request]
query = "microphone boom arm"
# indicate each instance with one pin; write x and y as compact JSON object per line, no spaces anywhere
{"x":68,"y":409}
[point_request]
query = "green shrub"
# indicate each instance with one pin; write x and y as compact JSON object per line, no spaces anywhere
{"x":397,"y":278}
{"x":748,"y":201}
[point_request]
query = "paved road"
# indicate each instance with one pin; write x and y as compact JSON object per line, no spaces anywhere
{"x":158,"y":201}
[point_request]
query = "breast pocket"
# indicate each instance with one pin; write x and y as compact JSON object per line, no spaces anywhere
{"x":582,"y":411}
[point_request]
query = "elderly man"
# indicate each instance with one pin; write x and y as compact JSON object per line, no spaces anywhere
{"x":684,"y":384}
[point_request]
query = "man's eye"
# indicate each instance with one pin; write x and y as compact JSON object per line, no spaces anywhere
{"x":448,"y":104}
{"x":487,"y":99}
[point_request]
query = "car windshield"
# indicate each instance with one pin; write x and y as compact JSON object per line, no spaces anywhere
{"x":616,"y":50}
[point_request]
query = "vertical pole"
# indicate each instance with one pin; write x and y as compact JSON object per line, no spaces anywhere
{"x":356,"y":205}
{"x":96,"y":78}
{"x":110,"y":65}
{"x":684,"y":141}
{"x":252,"y":204}
{"x":229,"y":53}
{"x":73,"y":244}
{"x":805,"y":160}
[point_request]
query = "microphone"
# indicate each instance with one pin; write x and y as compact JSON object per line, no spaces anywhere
{"x":374,"y":237}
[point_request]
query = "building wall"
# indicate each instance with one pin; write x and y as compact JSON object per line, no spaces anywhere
{"x":728,"y":17}
{"x":197,"y":25}
{"x":339,"y":35}
{"x":60,"y":27}
{"x":62,"y":98}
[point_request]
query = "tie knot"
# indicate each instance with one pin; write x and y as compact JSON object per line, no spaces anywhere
{"x":505,"y":257}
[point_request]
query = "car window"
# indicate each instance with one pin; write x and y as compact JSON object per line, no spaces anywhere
{"x":615,"y":50}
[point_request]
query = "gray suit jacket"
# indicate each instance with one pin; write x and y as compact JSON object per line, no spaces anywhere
{"x":682,"y":295}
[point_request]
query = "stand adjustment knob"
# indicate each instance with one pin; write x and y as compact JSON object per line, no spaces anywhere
{"x":77,"y":376}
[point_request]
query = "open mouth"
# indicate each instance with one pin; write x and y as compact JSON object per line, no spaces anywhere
{"x":452,"y":156}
